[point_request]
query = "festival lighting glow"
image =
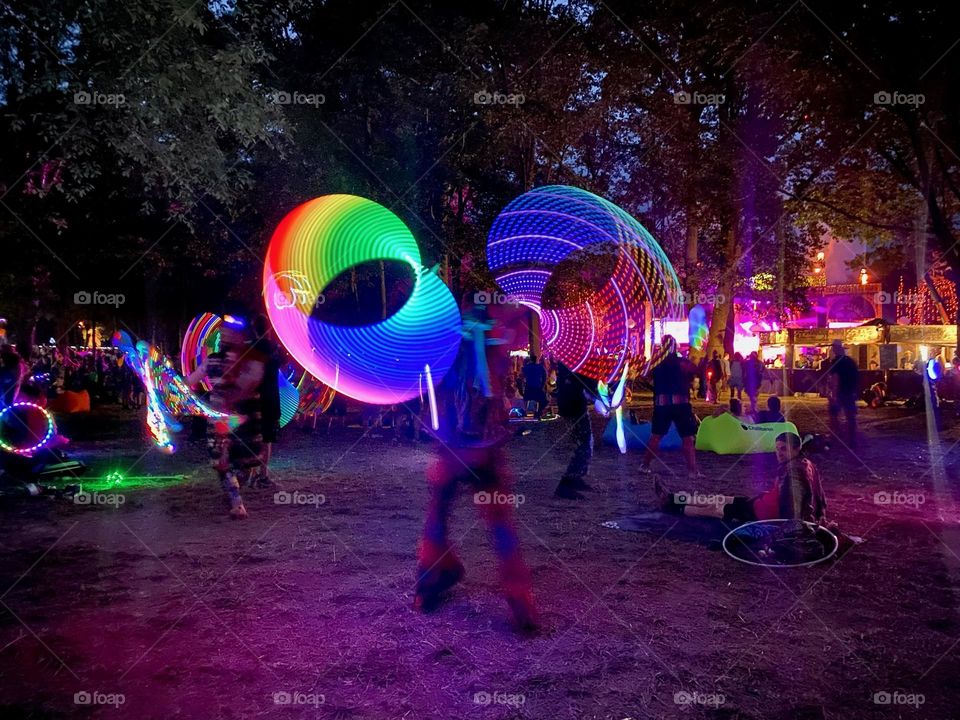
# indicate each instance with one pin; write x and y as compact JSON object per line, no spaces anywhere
{"x":698,"y":329}
{"x":289,"y":400}
{"x":378,"y":363}
{"x":618,"y":268}
{"x":29,"y":419}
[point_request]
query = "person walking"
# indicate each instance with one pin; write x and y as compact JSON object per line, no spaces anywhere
{"x":535,"y":385}
{"x":844,"y":387}
{"x":752,"y":379}
{"x":471,"y":428}
{"x":736,"y":376}
{"x":714,"y":377}
{"x":574,"y":395}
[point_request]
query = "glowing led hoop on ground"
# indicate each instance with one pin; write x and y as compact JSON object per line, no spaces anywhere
{"x":377,"y":363}
{"x":591,"y":335}
{"x":30,"y":449}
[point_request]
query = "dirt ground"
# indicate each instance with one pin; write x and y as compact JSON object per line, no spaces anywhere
{"x":304,"y":610}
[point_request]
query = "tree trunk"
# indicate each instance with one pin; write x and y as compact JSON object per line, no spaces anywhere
{"x":725,"y":288}
{"x":692,"y":236}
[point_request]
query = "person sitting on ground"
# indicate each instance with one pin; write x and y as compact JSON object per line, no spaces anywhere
{"x":797,"y":493}
{"x":735,"y":408}
{"x":773,"y":413}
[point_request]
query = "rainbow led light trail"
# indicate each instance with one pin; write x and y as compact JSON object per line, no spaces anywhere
{"x":167,"y":394}
{"x":378,"y":363}
{"x":589,"y":331}
{"x":201,"y":338}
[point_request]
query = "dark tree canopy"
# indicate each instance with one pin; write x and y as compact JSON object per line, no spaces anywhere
{"x":151,"y":147}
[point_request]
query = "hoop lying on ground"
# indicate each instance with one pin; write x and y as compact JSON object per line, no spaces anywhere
{"x":780,"y":543}
{"x":728,"y":435}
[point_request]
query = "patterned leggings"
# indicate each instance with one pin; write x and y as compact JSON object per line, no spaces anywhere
{"x":483,"y":471}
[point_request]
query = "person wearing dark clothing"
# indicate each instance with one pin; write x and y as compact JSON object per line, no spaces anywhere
{"x":672,"y":378}
{"x":714,"y":376}
{"x":235,"y":374}
{"x":702,"y":378}
{"x":574,"y":392}
{"x":736,"y":376}
{"x":773,"y":413}
{"x":269,"y":393}
{"x":844,"y":384}
{"x":535,"y":384}
{"x":10,"y":376}
{"x":752,"y":378}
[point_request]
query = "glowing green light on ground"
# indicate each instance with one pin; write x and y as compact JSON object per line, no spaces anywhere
{"x":114,"y":478}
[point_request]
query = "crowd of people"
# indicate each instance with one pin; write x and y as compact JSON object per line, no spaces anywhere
{"x":471,"y":429}
{"x":46,"y":372}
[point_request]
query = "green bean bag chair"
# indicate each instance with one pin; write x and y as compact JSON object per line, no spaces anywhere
{"x":728,"y":435}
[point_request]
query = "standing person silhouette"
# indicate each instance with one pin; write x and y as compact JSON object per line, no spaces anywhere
{"x":471,"y":426}
{"x":672,"y":379}
{"x":844,"y":388}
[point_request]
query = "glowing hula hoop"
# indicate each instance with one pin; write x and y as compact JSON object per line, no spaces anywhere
{"x":379,"y":363}
{"x":29,"y":450}
{"x":621,"y":269}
